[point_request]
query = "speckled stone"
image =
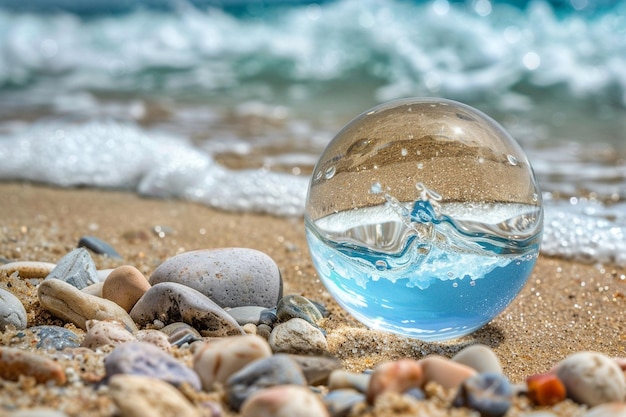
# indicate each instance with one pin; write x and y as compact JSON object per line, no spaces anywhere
{"x":28,"y":269}
{"x":296,"y":306}
{"x":69,"y":303}
{"x":275,"y":370}
{"x":479,"y":357}
{"x":124,"y":286}
{"x":488,"y":393}
{"x":297,"y":336}
{"x":17,"y":362}
{"x":616,"y":409}
{"x":76,"y":268}
{"x":170,"y":302}
{"x":141,"y":396}
{"x":231,"y":277}
{"x":12,"y":311}
{"x":216,"y":360}
{"x":154,"y":337}
{"x":141,"y":358}
{"x":54,"y":337}
{"x":592,"y":378}
{"x":396,"y":376}
{"x":98,"y":246}
{"x":284,"y":401}
{"x":104,"y":333}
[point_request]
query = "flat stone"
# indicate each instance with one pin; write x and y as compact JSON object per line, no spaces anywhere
{"x":317,"y":369}
{"x":141,"y":396}
{"x":296,"y":306}
{"x":105,"y":333}
{"x":479,"y":357}
{"x":12,"y":311}
{"x":297,"y":336}
{"x":28,"y":269}
{"x":69,"y":303}
{"x":231,"y":277}
{"x":216,"y":360}
{"x":592,"y":378}
{"x":275,"y":370}
{"x":141,"y":358}
{"x":76,"y":268}
{"x":246,"y":314}
{"x":170,"y":302}
{"x":125,"y":285}
{"x":284,"y":401}
{"x":98,"y":246}
{"x":17,"y":362}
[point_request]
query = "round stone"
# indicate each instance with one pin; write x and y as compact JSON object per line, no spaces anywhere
{"x":480,"y":357}
{"x":284,"y":401}
{"x":423,"y":218}
{"x":12,"y":311}
{"x":124,"y":286}
{"x":297,"y":336}
{"x":231,"y":277}
{"x":105,"y":332}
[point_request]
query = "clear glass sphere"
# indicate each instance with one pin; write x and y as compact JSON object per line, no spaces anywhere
{"x":423,"y":218}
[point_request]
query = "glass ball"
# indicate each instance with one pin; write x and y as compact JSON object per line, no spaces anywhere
{"x":423,"y":218}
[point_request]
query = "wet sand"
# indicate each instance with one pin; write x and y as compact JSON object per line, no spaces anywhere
{"x":565,"y":307}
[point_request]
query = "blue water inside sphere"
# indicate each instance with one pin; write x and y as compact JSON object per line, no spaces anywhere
{"x":423,"y":218}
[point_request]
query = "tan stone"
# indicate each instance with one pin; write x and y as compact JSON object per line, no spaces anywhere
{"x":124,"y":286}
{"x":397,"y":376}
{"x":445,"y":372}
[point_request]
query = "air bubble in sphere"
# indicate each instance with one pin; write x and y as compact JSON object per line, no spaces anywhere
{"x":423,"y":218}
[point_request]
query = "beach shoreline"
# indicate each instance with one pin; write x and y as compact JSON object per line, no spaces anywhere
{"x":565,"y":307}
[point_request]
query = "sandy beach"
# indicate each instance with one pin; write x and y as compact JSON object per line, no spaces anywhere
{"x":565,"y":307}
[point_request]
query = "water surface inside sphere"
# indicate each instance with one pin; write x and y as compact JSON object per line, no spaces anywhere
{"x":423,"y":218}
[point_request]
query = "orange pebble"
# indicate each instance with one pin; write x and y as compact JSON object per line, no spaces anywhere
{"x":397,"y":376}
{"x":545,"y":389}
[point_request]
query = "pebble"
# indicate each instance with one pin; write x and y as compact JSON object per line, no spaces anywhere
{"x":284,"y":401}
{"x":216,"y":360}
{"x":397,"y":376}
{"x":296,"y":306}
{"x":17,"y":362}
{"x":180,"y":333}
{"x":317,"y":369}
{"x":141,"y":396}
{"x":38,"y":412}
{"x":231,"y":277}
{"x":592,"y":378}
{"x":341,"y":379}
{"x":445,"y":372}
{"x":124,"y":286}
{"x":67,"y":302}
{"x":615,"y":409}
{"x":141,"y":358}
{"x":94,"y":289}
{"x":170,"y":302}
{"x":98,"y":246}
{"x":75,"y":268}
{"x":104,"y":333}
{"x":545,"y":389}
{"x":479,"y":357}
{"x":246,"y":314}
{"x":155,"y":337}
{"x":264,"y":331}
{"x":275,"y":370}
{"x":54,"y":337}
{"x":268,"y":317}
{"x":28,"y":269}
{"x":12,"y":312}
{"x":339,"y":403}
{"x":488,"y":393}
{"x":297,"y":336}
{"x":249,"y":328}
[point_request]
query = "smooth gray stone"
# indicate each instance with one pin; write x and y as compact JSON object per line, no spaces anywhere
{"x":340,"y":402}
{"x":317,"y":369}
{"x":12,"y":311}
{"x":278,"y":369}
{"x":146,"y":359}
{"x":76,"y":268}
{"x":170,"y":302}
{"x":488,"y":393}
{"x":480,"y":357}
{"x":268,"y":317}
{"x":98,"y":246}
{"x":231,"y":277}
{"x":296,"y":306}
{"x":246,"y":314}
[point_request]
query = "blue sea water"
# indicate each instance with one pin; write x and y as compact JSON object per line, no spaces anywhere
{"x":229,"y":103}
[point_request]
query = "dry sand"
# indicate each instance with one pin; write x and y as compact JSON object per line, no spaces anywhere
{"x":565,"y":306}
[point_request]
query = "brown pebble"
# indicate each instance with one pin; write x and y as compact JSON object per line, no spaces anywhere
{"x":124,"y":286}
{"x":445,"y":372}
{"x":284,"y":401}
{"x":397,"y":376}
{"x":16,"y":362}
